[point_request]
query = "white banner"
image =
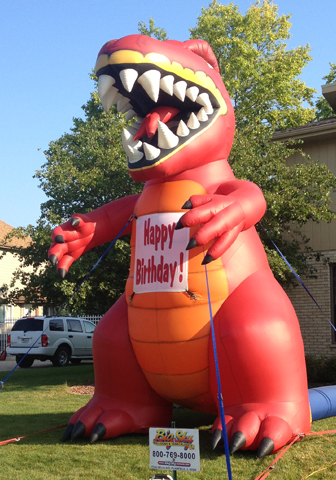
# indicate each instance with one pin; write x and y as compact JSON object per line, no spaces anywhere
{"x":174,"y":449}
{"x":161,"y":258}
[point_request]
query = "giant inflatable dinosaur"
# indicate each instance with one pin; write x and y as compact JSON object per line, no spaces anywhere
{"x":153,"y":347}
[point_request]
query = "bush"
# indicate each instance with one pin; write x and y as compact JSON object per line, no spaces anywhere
{"x":321,"y":370}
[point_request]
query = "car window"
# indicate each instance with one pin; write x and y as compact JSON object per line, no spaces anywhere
{"x":89,"y":327}
{"x":28,"y":325}
{"x":74,"y":325}
{"x":56,"y":325}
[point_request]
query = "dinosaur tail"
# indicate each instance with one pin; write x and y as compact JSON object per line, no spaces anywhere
{"x":322,"y":402}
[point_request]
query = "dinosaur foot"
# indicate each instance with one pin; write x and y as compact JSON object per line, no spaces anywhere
{"x":102,"y":418}
{"x":252,"y":432}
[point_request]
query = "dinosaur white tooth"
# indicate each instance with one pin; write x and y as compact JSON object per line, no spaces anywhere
{"x":192,"y":93}
{"x":130,"y":115}
{"x":133,"y":154}
{"x":204,"y":100}
{"x":151,"y":152}
{"x":167,"y":84}
{"x":126,"y":108}
{"x":202,"y":116}
{"x":126,"y":137}
{"x":150,"y":81}
{"x":166,"y":138}
{"x":208,"y":109}
{"x":180,"y":90}
{"x":110,"y":98}
{"x":128,"y":78}
{"x":127,"y":140}
{"x":182,"y":129}
{"x":132,"y":130}
{"x":105,"y":82}
{"x":122,"y":103}
{"x":193,"y":122}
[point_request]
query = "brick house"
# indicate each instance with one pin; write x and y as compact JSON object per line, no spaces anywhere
{"x":319,"y":142}
{"x":8,"y":264}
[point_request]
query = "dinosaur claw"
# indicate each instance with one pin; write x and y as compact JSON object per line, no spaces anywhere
{"x":75,"y":222}
{"x":179,"y":225}
{"x":216,"y":438}
{"x":53,"y":259}
{"x":207,"y":259}
{"x":98,"y":432}
{"x":187,"y":205}
{"x":59,"y":239}
{"x":266,"y":446}
{"x":192,"y":244}
{"x":62,"y":272}
{"x":67,"y":432}
{"x":78,"y":431}
{"x":238,"y":440}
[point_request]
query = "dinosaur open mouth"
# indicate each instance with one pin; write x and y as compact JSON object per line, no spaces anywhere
{"x":168,"y":110}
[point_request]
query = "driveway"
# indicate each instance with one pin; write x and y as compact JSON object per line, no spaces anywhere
{"x":10,"y":363}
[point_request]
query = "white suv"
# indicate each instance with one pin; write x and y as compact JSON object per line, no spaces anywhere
{"x":59,"y":339}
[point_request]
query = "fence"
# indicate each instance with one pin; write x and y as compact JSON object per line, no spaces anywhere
{"x":6,"y":326}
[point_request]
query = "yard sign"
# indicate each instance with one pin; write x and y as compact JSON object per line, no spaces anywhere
{"x":174,"y":449}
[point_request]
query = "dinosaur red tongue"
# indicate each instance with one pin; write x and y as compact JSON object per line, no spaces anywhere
{"x":149,"y":125}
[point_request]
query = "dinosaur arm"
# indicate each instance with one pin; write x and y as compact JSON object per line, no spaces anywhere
{"x":250,"y":198}
{"x":82,"y":232}
{"x":235,"y":206}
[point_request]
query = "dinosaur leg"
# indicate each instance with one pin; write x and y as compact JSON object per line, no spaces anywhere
{"x":262,"y":367}
{"x":123,"y":401}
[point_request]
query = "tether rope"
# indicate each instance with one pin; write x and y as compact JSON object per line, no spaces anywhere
{"x":219,"y":395}
{"x":132,"y":217}
{"x":75,"y":291}
{"x":297,"y":276}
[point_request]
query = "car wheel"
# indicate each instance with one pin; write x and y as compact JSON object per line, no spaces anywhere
{"x":75,"y":361}
{"x":26,"y":362}
{"x":61,"y":357}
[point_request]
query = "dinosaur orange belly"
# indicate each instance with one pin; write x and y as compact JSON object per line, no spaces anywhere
{"x":169,"y":319}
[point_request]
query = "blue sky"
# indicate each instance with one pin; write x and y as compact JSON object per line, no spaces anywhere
{"x":48,"y":48}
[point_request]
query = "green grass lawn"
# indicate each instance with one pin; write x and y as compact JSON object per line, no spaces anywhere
{"x":38,"y":399}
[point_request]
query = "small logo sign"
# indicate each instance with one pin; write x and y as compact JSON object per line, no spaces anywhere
{"x":174,"y":449}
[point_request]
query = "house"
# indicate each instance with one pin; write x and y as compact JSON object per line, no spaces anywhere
{"x":8,"y":264}
{"x":319,"y":142}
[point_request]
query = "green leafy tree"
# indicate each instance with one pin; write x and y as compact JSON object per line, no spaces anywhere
{"x":323,"y":109}
{"x":84,"y":169}
{"x":262,"y":79}
{"x":152,"y":31}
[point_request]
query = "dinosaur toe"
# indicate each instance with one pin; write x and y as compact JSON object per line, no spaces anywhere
{"x":99,"y":432}
{"x":238,"y":441}
{"x":216,"y":437}
{"x":266,"y":446}
{"x":78,"y":431}
{"x":67,"y":432}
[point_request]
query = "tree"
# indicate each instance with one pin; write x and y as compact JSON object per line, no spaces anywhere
{"x":84,"y":169}
{"x":323,"y":109}
{"x":261,"y":77}
{"x":152,"y":31}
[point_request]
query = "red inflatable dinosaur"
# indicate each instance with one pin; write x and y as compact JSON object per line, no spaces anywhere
{"x":153,"y":347}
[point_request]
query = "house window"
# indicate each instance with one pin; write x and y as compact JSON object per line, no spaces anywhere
{"x":333,"y":298}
